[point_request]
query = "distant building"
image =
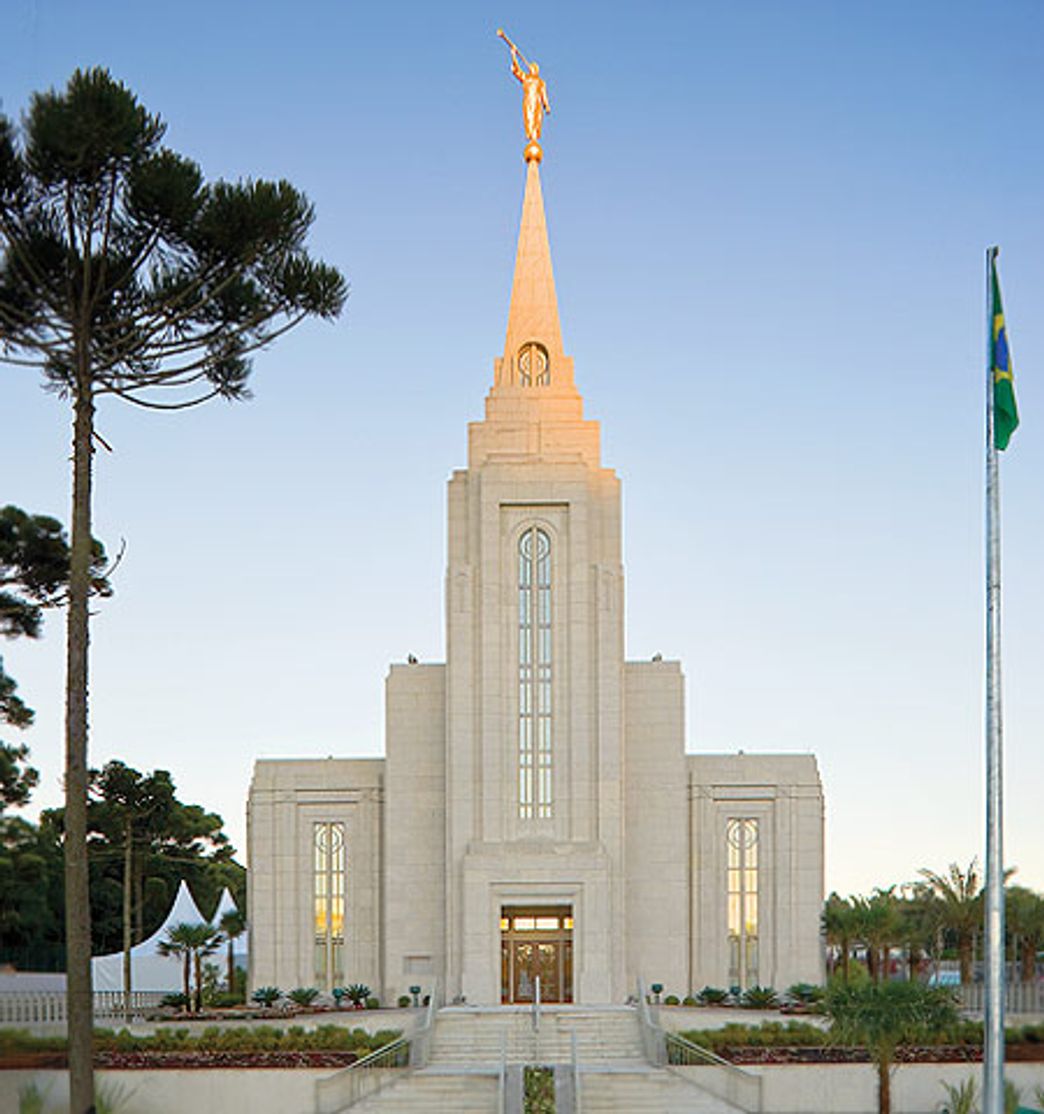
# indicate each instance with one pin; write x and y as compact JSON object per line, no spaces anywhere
{"x":536,"y":813}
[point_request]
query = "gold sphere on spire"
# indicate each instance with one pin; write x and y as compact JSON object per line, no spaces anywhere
{"x":533,"y":152}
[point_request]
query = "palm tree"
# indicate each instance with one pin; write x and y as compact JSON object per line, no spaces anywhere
{"x":1024,"y":915}
{"x":232,"y":924}
{"x":919,"y":925}
{"x":878,"y":926}
{"x":192,"y":942}
{"x":961,"y":896}
{"x":883,"y":1016}
{"x":176,"y":946}
{"x":839,"y":929}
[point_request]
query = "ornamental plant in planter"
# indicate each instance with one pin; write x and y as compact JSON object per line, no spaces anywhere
{"x":266,"y":996}
{"x":303,"y":996}
{"x":759,"y":998}
{"x":357,"y":993}
{"x":712,"y":996}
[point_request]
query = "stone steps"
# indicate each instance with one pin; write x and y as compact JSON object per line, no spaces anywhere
{"x":432,"y":1092}
{"x":467,"y":1046}
{"x":600,"y":1037}
{"x":652,"y":1091}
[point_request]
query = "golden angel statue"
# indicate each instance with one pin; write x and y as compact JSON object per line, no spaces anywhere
{"x":534,"y":97}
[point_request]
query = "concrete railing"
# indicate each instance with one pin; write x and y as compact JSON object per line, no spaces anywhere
{"x":43,"y":1007}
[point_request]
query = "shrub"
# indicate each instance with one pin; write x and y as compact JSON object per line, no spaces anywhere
{"x":31,"y":1099}
{"x":303,"y":995}
{"x":759,"y":998}
{"x":712,"y":996}
{"x":961,"y":1098}
{"x":373,"y":1003}
{"x":769,"y":1034}
{"x":403,"y":1001}
{"x":688,"y":1000}
{"x":267,"y":995}
{"x":177,"y":1001}
{"x":672,"y":1000}
{"x":339,"y":994}
{"x":806,"y":993}
{"x":223,"y":1000}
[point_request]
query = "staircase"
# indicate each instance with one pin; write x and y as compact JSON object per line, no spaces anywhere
{"x":607,"y":1035}
{"x":469,"y":1047}
{"x":647,"y":1091}
{"x":432,"y":1092}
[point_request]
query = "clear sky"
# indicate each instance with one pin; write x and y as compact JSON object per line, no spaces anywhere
{"x":768,"y":222}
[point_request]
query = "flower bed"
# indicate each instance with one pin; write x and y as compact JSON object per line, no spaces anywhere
{"x":160,"y":1061}
{"x":333,"y":1046}
{"x":934,"y":1054}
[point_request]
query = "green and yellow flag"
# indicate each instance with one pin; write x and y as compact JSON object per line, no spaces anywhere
{"x":1005,"y":412}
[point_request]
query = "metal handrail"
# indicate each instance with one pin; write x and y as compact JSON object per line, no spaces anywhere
{"x":388,"y":1064}
{"x":719,"y":1077}
{"x":365,"y":1077}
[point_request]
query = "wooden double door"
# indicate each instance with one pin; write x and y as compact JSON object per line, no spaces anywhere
{"x":536,"y":942}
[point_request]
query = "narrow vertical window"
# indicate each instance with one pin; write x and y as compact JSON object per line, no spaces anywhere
{"x":534,"y":675}
{"x":329,"y":888}
{"x":741,"y":838}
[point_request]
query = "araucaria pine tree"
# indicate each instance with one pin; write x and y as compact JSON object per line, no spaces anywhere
{"x":124,"y":273}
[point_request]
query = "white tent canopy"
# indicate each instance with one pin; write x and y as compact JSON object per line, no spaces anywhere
{"x":149,"y":969}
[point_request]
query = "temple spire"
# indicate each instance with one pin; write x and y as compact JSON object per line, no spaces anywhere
{"x":533,"y":316}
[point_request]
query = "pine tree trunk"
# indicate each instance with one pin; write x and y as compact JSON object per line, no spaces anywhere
{"x":231,"y":967}
{"x":139,"y":899}
{"x":128,"y":865}
{"x":884,"y":1089}
{"x":77,"y":888}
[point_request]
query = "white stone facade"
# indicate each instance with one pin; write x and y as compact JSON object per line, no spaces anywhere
{"x":536,"y":781}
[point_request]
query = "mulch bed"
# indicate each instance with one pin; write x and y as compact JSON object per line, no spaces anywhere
{"x":158,"y":1061}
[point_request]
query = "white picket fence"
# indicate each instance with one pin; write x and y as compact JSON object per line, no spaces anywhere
{"x":41,"y":1007}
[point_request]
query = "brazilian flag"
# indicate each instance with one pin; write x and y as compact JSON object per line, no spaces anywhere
{"x":1005,"y":412}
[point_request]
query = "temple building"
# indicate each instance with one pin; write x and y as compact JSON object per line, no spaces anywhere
{"x":536,"y":814}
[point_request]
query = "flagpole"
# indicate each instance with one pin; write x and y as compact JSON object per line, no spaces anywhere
{"x":993,"y":1056}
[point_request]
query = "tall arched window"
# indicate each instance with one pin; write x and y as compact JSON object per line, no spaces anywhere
{"x":534,"y":675}
{"x":741,"y":836}
{"x":328,"y":880}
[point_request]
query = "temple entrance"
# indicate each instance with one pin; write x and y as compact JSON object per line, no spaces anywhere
{"x":536,"y":941}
